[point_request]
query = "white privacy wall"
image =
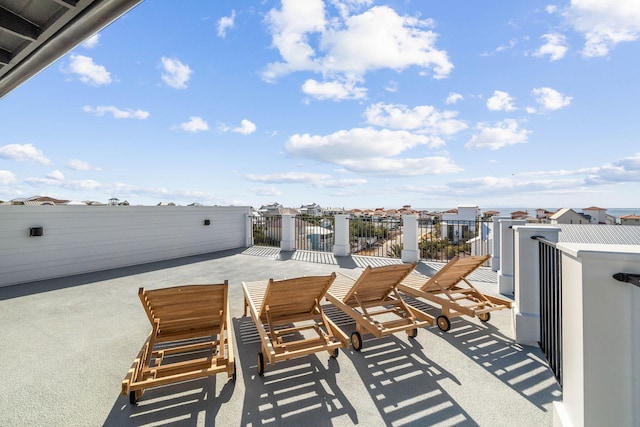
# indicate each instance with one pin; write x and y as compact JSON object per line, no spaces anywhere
{"x":80,"y":239}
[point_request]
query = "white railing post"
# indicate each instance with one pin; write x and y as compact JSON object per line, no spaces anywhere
{"x":410,"y":251}
{"x":341,"y":246}
{"x":526,"y":313}
{"x":249,"y":231}
{"x":495,"y":255}
{"x":600,"y":337}
{"x":288,"y":242}
{"x":505,"y":274}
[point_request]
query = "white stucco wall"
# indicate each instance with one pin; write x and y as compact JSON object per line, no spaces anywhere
{"x":80,"y":239}
{"x":601,"y":340}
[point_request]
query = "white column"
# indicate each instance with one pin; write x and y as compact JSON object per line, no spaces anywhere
{"x":341,"y":247}
{"x":249,"y":231}
{"x":600,"y":337}
{"x":410,"y":251}
{"x":495,"y":256}
{"x":288,"y":242}
{"x":526,"y":313}
{"x":505,"y":274}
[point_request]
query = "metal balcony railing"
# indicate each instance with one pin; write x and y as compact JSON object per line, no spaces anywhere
{"x":376,"y":236}
{"x":442,"y":240}
{"x":315,"y":233}
{"x":551,"y":305}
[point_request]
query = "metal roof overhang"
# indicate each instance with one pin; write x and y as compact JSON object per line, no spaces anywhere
{"x":35,"y":33}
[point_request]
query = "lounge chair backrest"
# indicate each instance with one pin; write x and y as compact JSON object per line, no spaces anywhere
{"x":453,"y":272}
{"x":294,"y":296}
{"x":183,"y":308}
{"x":376,"y":283}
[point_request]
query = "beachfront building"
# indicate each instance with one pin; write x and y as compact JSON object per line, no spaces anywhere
{"x":596,"y":215}
{"x":630,"y":220}
{"x":568,"y":216}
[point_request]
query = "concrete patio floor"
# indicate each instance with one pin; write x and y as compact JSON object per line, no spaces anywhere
{"x":66,"y":344}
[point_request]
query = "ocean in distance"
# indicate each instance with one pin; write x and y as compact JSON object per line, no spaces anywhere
{"x":616,"y":212}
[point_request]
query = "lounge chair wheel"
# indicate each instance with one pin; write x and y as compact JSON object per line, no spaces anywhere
{"x":356,"y":341}
{"x":233,"y":377}
{"x":443,"y":323}
{"x":412,"y":332}
{"x":484,"y":317}
{"x":133,"y":399}
{"x":260,"y":364}
{"x":334,"y":353}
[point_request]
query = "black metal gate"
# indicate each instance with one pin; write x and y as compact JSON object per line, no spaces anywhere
{"x":551,"y":306}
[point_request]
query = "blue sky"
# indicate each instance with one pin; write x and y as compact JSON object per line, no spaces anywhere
{"x":345,"y":103}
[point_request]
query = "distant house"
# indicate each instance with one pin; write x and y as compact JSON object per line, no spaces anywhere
{"x":543,"y":214}
{"x":630,"y":220}
{"x":311,"y":209}
{"x":596,"y":215}
{"x":568,"y":216}
{"x":39,"y":201}
{"x":271,"y":207}
{"x":519,"y":215}
{"x":456,"y":223}
{"x":489,"y":214}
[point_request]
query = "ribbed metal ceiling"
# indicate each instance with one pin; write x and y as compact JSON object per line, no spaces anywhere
{"x":35,"y":33}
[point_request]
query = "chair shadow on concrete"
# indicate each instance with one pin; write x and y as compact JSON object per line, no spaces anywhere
{"x":293,"y":392}
{"x":402,"y":381}
{"x":181,"y":404}
{"x":522,"y":368}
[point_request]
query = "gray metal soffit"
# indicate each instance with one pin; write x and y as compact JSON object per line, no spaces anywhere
{"x":35,"y":33}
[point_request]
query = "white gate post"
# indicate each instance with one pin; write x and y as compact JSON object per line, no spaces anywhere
{"x":341,"y":247}
{"x":288,"y":242}
{"x":505,"y":275}
{"x":410,"y":252}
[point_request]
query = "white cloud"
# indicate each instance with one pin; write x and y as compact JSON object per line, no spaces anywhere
{"x":349,"y":46}
{"x":392,"y":87}
{"x":80,"y":165}
{"x":91,"y":42}
{"x":334,"y":90}
{"x":555,"y":47}
{"x":7,"y":177}
{"x":88,"y":71}
{"x":453,"y":98}
{"x":176,"y":74}
{"x":245,"y":128}
{"x":267,"y":191}
{"x":225,"y":23}
{"x":116,"y":112}
{"x":289,"y":177}
{"x":500,"y":101}
{"x":56,"y":175}
{"x":626,"y":169}
{"x":370,"y":151}
{"x":23,"y":152}
{"x":314,"y":179}
{"x":195,"y":124}
{"x":551,"y":99}
{"x":604,"y":23}
{"x":503,"y":134}
{"x":422,"y":119}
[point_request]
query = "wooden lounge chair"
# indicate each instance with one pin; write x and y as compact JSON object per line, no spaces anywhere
{"x":373,"y":301}
{"x":190,"y":338}
{"x":290,"y":320}
{"x":450,"y":289}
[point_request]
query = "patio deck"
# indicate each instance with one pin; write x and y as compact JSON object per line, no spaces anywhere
{"x":67,"y":343}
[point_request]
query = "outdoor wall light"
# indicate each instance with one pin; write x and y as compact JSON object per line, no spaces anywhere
{"x":36,"y":231}
{"x":207,"y":222}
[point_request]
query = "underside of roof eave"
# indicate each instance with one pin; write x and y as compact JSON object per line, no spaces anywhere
{"x":93,"y":18}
